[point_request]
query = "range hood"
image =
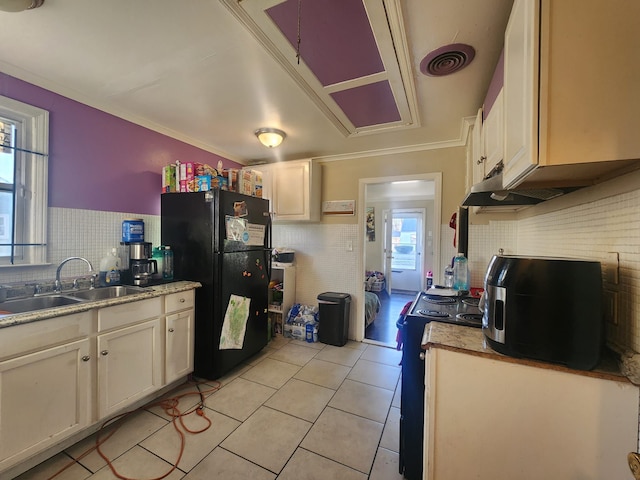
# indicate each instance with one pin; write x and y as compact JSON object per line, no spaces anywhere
{"x":490,"y":193}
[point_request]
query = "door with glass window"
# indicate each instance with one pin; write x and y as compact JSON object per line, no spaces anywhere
{"x":404,"y":240}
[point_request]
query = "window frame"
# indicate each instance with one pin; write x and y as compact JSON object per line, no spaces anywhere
{"x":32,"y":169}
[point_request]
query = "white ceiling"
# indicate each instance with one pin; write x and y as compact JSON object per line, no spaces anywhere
{"x":191,"y":70}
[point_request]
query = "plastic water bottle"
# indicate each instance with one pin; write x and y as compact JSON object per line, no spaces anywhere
{"x":167,"y":263}
{"x":460,"y":272}
{"x":448,"y":276}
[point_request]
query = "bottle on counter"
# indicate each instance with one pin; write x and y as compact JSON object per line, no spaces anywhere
{"x":460,"y":272}
{"x":158,"y":256}
{"x":167,"y":263}
{"x":448,"y":275}
{"x":110,"y":266}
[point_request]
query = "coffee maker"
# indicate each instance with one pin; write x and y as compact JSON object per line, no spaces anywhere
{"x":141,"y":265}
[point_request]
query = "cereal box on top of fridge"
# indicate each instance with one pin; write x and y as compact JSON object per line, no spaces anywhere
{"x":169,"y":179}
{"x":219,"y":182}
{"x":232,"y":179}
{"x":187,"y":176}
{"x":202,"y":183}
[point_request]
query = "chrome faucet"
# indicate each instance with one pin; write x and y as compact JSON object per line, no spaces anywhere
{"x":58,"y":285}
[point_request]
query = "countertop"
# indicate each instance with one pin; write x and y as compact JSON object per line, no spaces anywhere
{"x":472,"y":341}
{"x":10,"y":320}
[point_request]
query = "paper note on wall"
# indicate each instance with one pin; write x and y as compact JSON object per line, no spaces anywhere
{"x":235,"y":323}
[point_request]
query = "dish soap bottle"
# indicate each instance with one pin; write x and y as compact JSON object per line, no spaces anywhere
{"x":460,"y":272}
{"x":109,"y":269}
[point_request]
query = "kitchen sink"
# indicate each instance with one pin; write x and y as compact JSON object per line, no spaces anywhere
{"x":104,"y":293}
{"x":42,"y":302}
{"x":30,"y":304}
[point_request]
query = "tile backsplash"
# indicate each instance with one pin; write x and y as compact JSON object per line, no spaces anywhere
{"x":326,"y":263}
{"x":322,"y":259}
{"x":81,"y":233}
{"x":590,"y":230}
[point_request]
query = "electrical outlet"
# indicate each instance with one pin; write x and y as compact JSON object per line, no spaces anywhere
{"x":610,"y":306}
{"x":611,"y":268}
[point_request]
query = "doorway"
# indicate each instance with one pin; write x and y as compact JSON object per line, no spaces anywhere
{"x":403,"y":249}
{"x":400,"y":243}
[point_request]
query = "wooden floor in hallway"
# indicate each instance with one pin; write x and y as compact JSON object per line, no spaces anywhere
{"x":384,"y":329}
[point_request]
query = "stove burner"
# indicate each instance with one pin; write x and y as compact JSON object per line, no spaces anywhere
{"x":473,"y":301}
{"x":471,"y":318}
{"x":433,"y":313}
{"x":440,"y":300}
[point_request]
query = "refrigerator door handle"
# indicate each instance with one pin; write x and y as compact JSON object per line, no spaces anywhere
{"x":267,"y":243}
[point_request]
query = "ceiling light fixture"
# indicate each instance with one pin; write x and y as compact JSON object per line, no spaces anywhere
{"x":19,"y":5}
{"x":270,"y":137}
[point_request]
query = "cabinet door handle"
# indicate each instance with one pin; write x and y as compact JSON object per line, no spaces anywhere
{"x":182,"y":300}
{"x":482,"y":159}
{"x":422,"y":356}
{"x":104,"y":353}
{"x":171,"y":330}
{"x":86,"y":358}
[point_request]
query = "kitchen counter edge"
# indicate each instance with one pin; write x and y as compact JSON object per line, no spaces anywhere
{"x":471,"y":341}
{"x":150,"y":292}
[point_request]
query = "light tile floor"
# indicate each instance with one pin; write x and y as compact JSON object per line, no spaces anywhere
{"x":295,"y":411}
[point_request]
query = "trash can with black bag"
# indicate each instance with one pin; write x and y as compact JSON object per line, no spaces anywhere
{"x":333,"y":325}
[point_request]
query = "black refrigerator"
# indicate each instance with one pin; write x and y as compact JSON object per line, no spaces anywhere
{"x":222,"y":239}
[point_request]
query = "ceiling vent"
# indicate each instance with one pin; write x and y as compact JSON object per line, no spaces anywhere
{"x":447,"y":60}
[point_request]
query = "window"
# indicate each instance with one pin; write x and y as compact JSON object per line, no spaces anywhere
{"x":404,"y":241}
{"x":24,"y":142}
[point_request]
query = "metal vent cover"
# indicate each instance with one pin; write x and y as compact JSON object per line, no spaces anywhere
{"x":447,"y":60}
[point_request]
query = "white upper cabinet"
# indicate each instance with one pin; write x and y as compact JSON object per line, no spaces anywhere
{"x":570,"y":90}
{"x":477,"y":147}
{"x":486,"y":142}
{"x":492,"y":133}
{"x":520,"y":91}
{"x":488,"y":129}
{"x":293,"y":189}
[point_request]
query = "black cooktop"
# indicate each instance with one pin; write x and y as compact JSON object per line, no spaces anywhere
{"x":459,"y":310}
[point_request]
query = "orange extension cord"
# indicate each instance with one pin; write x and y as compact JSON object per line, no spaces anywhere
{"x":170,"y":407}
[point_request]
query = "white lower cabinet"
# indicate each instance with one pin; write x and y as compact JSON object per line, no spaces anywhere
{"x":44,"y":397}
{"x":129,"y":354}
{"x":493,"y":420}
{"x":179,"y":335}
{"x":129,"y":365}
{"x":62,"y":375}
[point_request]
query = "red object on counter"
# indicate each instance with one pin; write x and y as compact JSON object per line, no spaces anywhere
{"x":476,"y":292}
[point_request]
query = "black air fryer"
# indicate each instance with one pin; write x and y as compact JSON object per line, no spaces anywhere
{"x":545,"y":308}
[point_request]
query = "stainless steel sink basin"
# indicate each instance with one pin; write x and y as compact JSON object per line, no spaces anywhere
{"x":31,"y":304}
{"x":104,"y":293}
{"x":43,"y":302}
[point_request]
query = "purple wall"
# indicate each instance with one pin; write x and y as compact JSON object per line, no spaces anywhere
{"x":98,"y":161}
